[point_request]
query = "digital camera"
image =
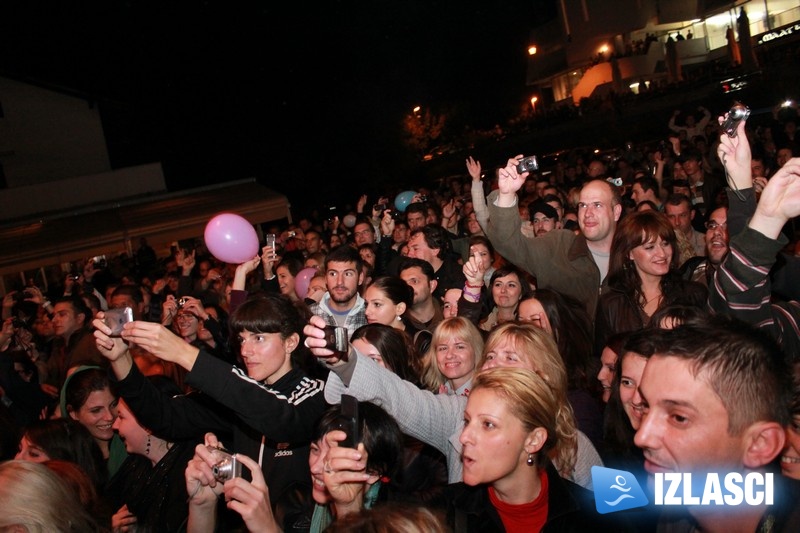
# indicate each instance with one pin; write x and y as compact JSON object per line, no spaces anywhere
{"x":527,"y":164}
{"x":380,"y":208}
{"x":227,"y":467}
{"x":182,"y":301}
{"x":737,"y":113}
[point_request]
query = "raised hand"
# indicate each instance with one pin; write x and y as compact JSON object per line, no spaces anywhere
{"x":345,"y":473}
{"x":780,"y":200}
{"x":474,"y":168}
{"x":734,"y":152}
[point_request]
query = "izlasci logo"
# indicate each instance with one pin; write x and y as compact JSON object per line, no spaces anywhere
{"x":616,"y":490}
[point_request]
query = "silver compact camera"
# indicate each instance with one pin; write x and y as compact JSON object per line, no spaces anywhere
{"x":527,"y":164}
{"x":182,"y":301}
{"x":227,"y":467}
{"x":737,"y":113}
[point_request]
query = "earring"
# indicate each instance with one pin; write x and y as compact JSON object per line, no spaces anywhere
{"x":530,"y":460}
{"x":147,"y":447}
{"x":398,"y":318}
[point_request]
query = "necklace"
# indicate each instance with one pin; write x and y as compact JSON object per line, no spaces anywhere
{"x":647,"y":301}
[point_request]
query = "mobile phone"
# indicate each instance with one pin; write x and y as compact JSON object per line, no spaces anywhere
{"x":336,"y":341}
{"x":116,"y":318}
{"x":269,"y":240}
{"x":349,"y":421}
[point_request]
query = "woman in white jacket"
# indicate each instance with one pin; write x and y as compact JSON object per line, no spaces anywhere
{"x":438,"y":419}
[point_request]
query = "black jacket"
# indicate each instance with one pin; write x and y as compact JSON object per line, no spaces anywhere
{"x":618,"y":313}
{"x":571,"y":508}
{"x":283,"y":413}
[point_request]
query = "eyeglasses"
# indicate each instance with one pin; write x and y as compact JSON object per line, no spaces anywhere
{"x":713,"y":224}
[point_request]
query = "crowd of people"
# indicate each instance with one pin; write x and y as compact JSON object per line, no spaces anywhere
{"x":505,"y":332}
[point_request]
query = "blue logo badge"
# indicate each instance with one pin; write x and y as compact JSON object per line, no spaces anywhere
{"x":616,"y":490}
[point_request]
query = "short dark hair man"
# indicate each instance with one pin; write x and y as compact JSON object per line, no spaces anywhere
{"x":716,"y":400}
{"x":432,"y":244}
{"x":342,"y":305}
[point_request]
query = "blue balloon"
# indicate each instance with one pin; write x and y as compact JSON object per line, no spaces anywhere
{"x":403,"y":199}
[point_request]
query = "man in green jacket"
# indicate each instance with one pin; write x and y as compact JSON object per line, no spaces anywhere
{"x":575,"y":265}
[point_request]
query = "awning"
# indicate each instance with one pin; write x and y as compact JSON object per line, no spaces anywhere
{"x":108,"y":229}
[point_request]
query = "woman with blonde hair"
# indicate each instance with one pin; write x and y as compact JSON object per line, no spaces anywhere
{"x":36,"y":499}
{"x":509,"y":482}
{"x":452,"y":357}
{"x":437,"y":419}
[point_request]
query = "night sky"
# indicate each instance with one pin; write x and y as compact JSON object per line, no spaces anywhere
{"x":303,"y":95}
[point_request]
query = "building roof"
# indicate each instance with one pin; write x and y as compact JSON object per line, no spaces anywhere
{"x":115,"y":227}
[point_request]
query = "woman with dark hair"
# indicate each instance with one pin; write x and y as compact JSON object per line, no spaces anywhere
{"x":387,"y":298}
{"x":609,"y":358}
{"x":567,"y":321}
{"x":264,"y":408}
{"x":344,"y":480}
{"x":388,"y":347}
{"x":507,"y":285}
{"x":90,"y":397}
{"x":286,"y":272}
{"x":642,"y":276}
{"x":66,"y":440}
{"x":148,"y":492}
{"x":424,"y":473}
{"x":480,"y":246}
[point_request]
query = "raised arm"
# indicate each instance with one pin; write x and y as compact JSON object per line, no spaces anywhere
{"x":742,"y":284}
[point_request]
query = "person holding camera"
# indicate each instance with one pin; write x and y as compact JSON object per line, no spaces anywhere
{"x":265,"y":407}
{"x":572,"y":264}
{"x":353,"y":457}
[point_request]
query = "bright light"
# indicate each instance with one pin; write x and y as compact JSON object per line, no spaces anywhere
{"x":416,"y":109}
{"x":534,"y":99}
{"x":531,"y":50}
{"x":787,"y":103}
{"x":604,"y":49}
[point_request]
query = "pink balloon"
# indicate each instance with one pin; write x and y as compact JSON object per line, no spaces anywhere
{"x":231,"y":238}
{"x":301,"y":281}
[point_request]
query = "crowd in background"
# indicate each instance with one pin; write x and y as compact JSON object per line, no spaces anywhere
{"x":572,"y":274}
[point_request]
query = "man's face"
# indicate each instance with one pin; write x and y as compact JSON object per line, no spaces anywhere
{"x":540,"y":187}
{"x":364,"y":233}
{"x":639,"y":194}
{"x":757,"y":168}
{"x":682,"y":416}
{"x":717,"y":237}
{"x":121,"y":301}
{"x":418,"y":281}
{"x":313,"y":242}
{"x":415,"y":220}
{"x":65,"y":320}
{"x":691,"y":167}
{"x":400,"y":233}
{"x":542,"y":224}
{"x":596,"y":169}
{"x":681,"y":217}
{"x":677,"y":172}
{"x":418,"y":247}
{"x":782,"y":156}
{"x":342,"y":280}
{"x":597,"y":216}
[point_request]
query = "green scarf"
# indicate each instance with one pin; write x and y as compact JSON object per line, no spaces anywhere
{"x":322,"y":516}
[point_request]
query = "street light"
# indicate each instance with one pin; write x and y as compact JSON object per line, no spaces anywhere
{"x":534,"y":99}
